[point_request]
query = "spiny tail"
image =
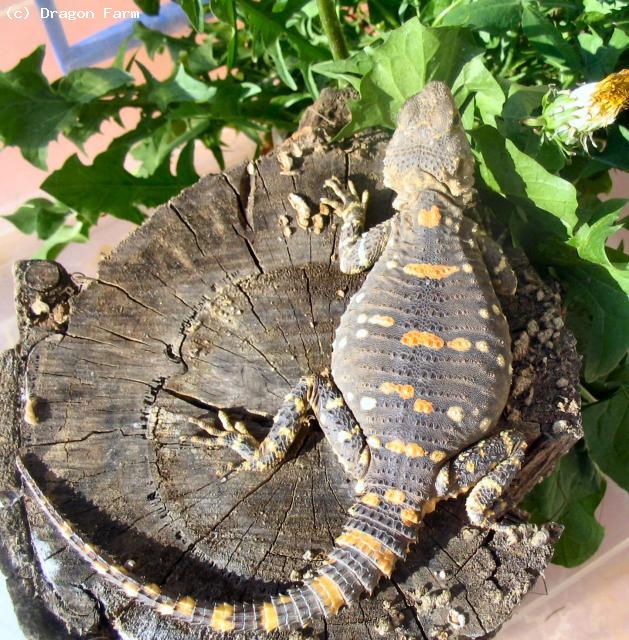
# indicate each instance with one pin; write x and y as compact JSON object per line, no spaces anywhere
{"x":378,"y":533}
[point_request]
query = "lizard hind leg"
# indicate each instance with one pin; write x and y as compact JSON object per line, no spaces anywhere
{"x":486,"y":469}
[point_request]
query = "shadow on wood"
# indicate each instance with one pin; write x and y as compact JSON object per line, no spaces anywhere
{"x":222,"y":300}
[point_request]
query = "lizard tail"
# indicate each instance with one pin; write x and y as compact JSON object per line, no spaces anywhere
{"x":378,"y":533}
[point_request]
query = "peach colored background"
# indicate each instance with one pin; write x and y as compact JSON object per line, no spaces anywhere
{"x":587,"y":602}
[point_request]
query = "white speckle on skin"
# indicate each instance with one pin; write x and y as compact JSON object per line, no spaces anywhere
{"x":349,"y":396}
{"x":391,"y":264}
{"x":467,"y":267}
{"x":359,"y":297}
{"x":455,"y":413}
{"x":485,"y":423}
{"x":362,"y":333}
{"x":500,"y":360}
{"x":482,"y":346}
{"x":496,"y":309}
{"x":483,"y":313}
{"x":342,"y":342}
{"x":362,"y":318}
{"x":367,"y":403}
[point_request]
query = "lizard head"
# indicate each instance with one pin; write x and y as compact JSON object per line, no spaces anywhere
{"x":429,"y":149}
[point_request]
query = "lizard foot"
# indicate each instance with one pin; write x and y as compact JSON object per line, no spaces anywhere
{"x":231,"y":434}
{"x":349,"y":203}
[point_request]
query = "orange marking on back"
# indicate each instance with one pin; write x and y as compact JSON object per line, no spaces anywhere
{"x":166,"y":608}
{"x":397,"y":446}
{"x":382,"y":557}
{"x":381,"y":321}
{"x":329,"y":592}
{"x":223,"y":617}
{"x":131,"y":588}
{"x":432,"y":271}
{"x":371,"y":499}
{"x":459,"y":344}
{"x":422,"y":406}
{"x":438,"y":456}
{"x":152,"y":590}
{"x":394,"y":496}
{"x":186,"y":606}
{"x":429,"y":217}
{"x":270,"y":621}
{"x":405,"y":391}
{"x":409,"y":516}
{"x":416,"y":338}
{"x":414,"y":450}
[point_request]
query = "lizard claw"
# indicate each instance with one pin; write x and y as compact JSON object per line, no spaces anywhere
{"x":348,"y":197}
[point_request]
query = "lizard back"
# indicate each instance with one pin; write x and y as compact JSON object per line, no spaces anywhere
{"x":422,"y":353}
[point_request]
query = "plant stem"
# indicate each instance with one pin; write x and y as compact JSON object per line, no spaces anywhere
{"x":586,"y":395}
{"x":332,"y":28}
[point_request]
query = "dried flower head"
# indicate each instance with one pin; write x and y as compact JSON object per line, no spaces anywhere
{"x":570,"y":117}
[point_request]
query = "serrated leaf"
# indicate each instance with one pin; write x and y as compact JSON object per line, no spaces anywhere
{"x":547,"y":39}
{"x":490,"y":15}
{"x":590,"y":241}
{"x":63,"y":236}
{"x":598,"y":314}
{"x":490,"y":97}
{"x":153,"y":150}
{"x":84,"y":85}
{"x":350,"y":69}
{"x":606,"y":426}
{"x":411,"y":56}
{"x":106,"y":186}
{"x":156,"y":41}
{"x":180,"y":88}
{"x":514,"y":174}
{"x":31,"y":114}
{"x":195,"y":11}
{"x":570,"y":495}
{"x":40,"y":216}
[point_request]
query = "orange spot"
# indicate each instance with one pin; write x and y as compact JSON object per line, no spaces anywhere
{"x":405,"y":391}
{"x":414,"y":450}
{"x":397,"y":446}
{"x":223,"y":617}
{"x":381,"y":321}
{"x":363,"y":542}
{"x":437,"y":456}
{"x":422,"y":406}
{"x":131,"y":588}
{"x":432,"y":271}
{"x":460,"y":344}
{"x":394,"y":496}
{"x":166,"y":608}
{"x":416,"y":338}
{"x":152,"y":590}
{"x":429,"y":217}
{"x":186,"y":606}
{"x":330,"y":594}
{"x":371,"y":499}
{"x":409,"y":516}
{"x":429,"y":506}
{"x":270,"y":621}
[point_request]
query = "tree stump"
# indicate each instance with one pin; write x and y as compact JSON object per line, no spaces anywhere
{"x":222,"y":300}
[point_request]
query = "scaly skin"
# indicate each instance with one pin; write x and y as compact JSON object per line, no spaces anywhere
{"x":420,"y":375}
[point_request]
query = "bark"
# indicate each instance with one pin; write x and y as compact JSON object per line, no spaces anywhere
{"x":211,"y":304}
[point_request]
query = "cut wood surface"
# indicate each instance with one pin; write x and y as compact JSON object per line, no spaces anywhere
{"x":222,"y":300}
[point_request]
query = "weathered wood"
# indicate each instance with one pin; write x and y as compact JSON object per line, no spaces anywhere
{"x":212,"y":304}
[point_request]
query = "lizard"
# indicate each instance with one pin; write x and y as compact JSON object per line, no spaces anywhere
{"x":420,"y":373}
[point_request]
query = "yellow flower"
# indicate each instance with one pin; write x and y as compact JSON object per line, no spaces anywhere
{"x":570,"y":117}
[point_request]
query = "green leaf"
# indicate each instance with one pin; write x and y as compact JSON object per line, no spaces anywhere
{"x":84,"y":85}
{"x":547,"y":39}
{"x":62,"y":237}
{"x":150,"y":7}
{"x":514,"y":174}
{"x":490,"y":97}
{"x":590,"y":241}
{"x":570,"y":496}
{"x":106,"y":186}
{"x":40,"y":216}
{"x":490,"y":15}
{"x":31,"y":114}
{"x":180,"y":88}
{"x":276,"y":53}
{"x":411,"y":56}
{"x":600,"y":59}
{"x":598,"y":314}
{"x":153,"y":150}
{"x":195,"y":11}
{"x":606,"y":426}
{"x":156,"y":41}
{"x":615,"y":154}
{"x":350,"y":69}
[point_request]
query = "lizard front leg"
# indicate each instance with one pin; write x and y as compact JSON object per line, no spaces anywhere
{"x":357,"y":250}
{"x":487,"y":468}
{"x":312,"y":393}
